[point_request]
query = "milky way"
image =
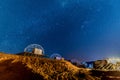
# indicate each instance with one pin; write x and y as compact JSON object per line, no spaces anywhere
{"x":82,"y":29}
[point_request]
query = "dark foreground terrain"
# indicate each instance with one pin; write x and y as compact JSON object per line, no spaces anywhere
{"x":106,"y":75}
{"x":17,"y":67}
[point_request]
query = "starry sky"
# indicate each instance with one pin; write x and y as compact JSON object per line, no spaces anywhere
{"x":82,"y":29}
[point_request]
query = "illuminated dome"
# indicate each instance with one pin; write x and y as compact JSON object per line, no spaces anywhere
{"x":36,"y":48}
{"x":56,"y":56}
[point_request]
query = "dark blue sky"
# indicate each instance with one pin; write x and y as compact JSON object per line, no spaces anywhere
{"x":85,"y":29}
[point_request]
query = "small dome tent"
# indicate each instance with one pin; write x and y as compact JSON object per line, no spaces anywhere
{"x":34,"y":49}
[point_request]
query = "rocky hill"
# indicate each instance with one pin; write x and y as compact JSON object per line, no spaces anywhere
{"x":18,"y":67}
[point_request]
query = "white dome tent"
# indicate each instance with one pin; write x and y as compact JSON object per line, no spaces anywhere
{"x":56,"y":56}
{"x":34,"y":49}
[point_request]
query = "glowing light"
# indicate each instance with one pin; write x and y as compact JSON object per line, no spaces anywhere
{"x":113,"y":60}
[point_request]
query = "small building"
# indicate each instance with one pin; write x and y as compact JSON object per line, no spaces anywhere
{"x":37,"y":51}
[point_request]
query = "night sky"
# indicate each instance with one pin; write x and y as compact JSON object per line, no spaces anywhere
{"x":82,"y":29}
